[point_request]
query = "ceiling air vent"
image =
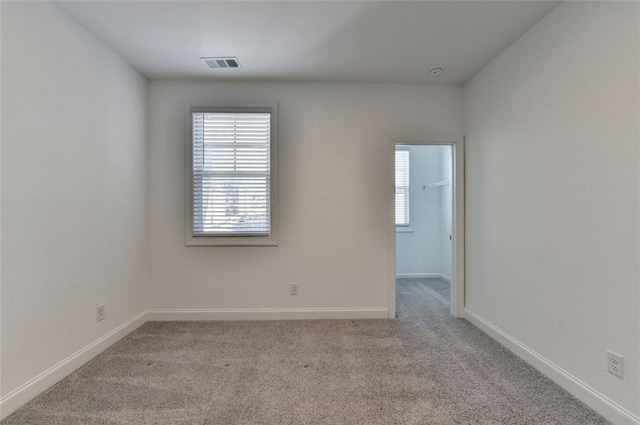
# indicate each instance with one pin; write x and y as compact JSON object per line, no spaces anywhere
{"x":222,"y":62}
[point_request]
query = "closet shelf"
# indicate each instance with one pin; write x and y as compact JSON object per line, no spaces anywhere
{"x":436,"y":184}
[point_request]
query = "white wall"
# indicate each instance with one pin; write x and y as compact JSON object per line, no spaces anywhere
{"x":73,"y":190}
{"x":335,"y":194}
{"x":420,"y":248}
{"x":552,"y":193}
{"x":446,"y":211}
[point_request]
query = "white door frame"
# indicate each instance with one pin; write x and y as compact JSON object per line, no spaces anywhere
{"x":457,"y":272}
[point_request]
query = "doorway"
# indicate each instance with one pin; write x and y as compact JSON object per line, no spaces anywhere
{"x":428,"y":221}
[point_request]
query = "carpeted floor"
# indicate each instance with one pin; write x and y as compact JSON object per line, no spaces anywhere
{"x":424,"y":368}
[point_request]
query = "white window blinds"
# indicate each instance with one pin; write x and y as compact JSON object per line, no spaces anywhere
{"x":402,"y":187}
{"x":231,"y":173}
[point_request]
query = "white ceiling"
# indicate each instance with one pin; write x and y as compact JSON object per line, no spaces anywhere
{"x":392,"y":41}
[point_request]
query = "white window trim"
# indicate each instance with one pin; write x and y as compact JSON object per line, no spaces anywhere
{"x":189,"y":238}
{"x":404,"y":229}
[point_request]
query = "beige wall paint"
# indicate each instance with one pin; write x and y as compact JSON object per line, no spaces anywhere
{"x":335,"y":188}
{"x":552,"y":193}
{"x":73,"y":190}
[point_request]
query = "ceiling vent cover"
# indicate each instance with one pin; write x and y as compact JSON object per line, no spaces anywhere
{"x":227,"y":62}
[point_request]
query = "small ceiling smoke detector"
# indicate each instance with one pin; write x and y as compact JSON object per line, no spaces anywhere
{"x":436,"y":70}
{"x":225,"y":62}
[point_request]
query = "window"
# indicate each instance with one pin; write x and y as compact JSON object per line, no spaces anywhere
{"x":232,"y":154}
{"x":402,"y":186}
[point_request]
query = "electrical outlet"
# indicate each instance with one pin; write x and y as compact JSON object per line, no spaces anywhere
{"x":294,"y":288}
{"x":101,"y":312}
{"x":615,"y":364}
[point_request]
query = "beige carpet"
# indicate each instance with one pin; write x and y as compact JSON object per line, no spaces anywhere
{"x":424,"y":368}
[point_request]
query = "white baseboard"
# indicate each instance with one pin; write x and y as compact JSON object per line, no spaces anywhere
{"x":267,"y":314}
{"x":583,"y":392}
{"x":422,"y":275}
{"x":21,"y":395}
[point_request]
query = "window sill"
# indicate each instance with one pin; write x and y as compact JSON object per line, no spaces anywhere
{"x":231,"y":241}
{"x":404,"y":230}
